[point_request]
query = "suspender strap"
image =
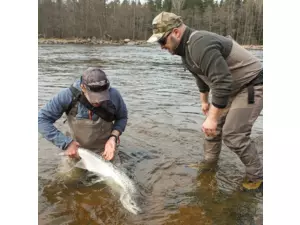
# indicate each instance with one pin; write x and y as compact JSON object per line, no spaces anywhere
{"x":258,"y":80}
{"x":76,"y":95}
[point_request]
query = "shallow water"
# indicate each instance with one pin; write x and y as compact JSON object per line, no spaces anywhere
{"x":162,"y":139}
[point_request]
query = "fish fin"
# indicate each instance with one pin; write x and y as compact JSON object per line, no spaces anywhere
{"x":100,"y":179}
{"x":80,"y":164}
{"x":95,"y":179}
{"x":122,"y":194}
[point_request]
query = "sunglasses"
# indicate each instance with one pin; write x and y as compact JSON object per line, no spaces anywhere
{"x":96,"y":88}
{"x":163,"y":40}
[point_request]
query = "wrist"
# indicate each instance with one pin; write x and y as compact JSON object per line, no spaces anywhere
{"x":68,"y":144}
{"x":114,"y":137}
{"x":214,"y":113}
{"x":204,"y":98}
{"x":212,"y":117}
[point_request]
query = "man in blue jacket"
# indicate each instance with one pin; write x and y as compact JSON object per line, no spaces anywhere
{"x":96,"y":115}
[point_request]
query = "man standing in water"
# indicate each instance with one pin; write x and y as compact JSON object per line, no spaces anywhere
{"x":96,"y":114}
{"x":235,"y":79}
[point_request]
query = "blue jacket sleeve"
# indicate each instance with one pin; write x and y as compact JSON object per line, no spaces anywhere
{"x":122,"y":114}
{"x":51,"y":112}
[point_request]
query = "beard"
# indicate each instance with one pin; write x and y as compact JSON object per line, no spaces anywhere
{"x":174,"y":44}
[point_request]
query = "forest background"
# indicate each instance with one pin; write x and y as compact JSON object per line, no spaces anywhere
{"x":117,"y":20}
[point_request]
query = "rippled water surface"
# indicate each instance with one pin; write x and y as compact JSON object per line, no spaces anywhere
{"x":161,"y":142}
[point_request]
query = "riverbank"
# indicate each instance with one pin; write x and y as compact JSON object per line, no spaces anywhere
{"x":94,"y":41}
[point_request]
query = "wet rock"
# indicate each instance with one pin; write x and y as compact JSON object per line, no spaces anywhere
{"x":131,"y":43}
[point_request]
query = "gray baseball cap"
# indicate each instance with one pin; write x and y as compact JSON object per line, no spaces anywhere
{"x":97,"y":85}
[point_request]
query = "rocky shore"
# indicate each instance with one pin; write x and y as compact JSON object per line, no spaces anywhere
{"x":94,"y":41}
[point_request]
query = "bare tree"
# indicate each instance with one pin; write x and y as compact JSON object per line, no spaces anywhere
{"x":177,"y":5}
{"x":119,"y":19}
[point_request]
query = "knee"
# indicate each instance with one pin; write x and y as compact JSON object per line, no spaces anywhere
{"x":235,"y":140}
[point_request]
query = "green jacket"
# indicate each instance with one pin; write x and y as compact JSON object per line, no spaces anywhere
{"x":218,"y":63}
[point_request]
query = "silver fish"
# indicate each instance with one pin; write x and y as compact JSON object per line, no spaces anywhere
{"x":109,"y":172}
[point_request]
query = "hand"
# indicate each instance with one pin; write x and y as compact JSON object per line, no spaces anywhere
{"x":72,"y":150}
{"x":205,"y":108}
{"x":110,"y":148}
{"x":209,"y":127}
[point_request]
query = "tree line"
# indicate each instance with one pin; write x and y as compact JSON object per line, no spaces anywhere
{"x":116,"y":20}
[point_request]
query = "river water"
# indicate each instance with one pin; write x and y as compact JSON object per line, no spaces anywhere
{"x":162,"y":141}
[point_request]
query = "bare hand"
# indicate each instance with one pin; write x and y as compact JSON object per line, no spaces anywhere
{"x":205,"y":108}
{"x":72,"y":150}
{"x":110,"y":148}
{"x":209,"y":127}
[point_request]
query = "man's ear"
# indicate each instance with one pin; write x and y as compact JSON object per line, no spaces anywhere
{"x":177,"y":33}
{"x":83,"y":88}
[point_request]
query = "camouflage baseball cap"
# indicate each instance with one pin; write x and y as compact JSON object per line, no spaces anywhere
{"x":162,"y":23}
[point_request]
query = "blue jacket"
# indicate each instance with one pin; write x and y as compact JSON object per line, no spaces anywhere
{"x":54,"y":109}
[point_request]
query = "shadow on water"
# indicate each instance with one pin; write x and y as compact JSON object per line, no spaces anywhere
{"x":162,"y":139}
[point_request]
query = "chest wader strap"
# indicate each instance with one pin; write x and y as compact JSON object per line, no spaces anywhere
{"x":250,"y":94}
{"x":258,"y":80}
{"x":75,"y":97}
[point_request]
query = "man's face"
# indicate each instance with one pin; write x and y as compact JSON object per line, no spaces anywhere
{"x":170,"y":40}
{"x":83,"y":88}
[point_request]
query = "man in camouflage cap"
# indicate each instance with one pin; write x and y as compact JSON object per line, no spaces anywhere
{"x":162,"y":23}
{"x":233,"y":76}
